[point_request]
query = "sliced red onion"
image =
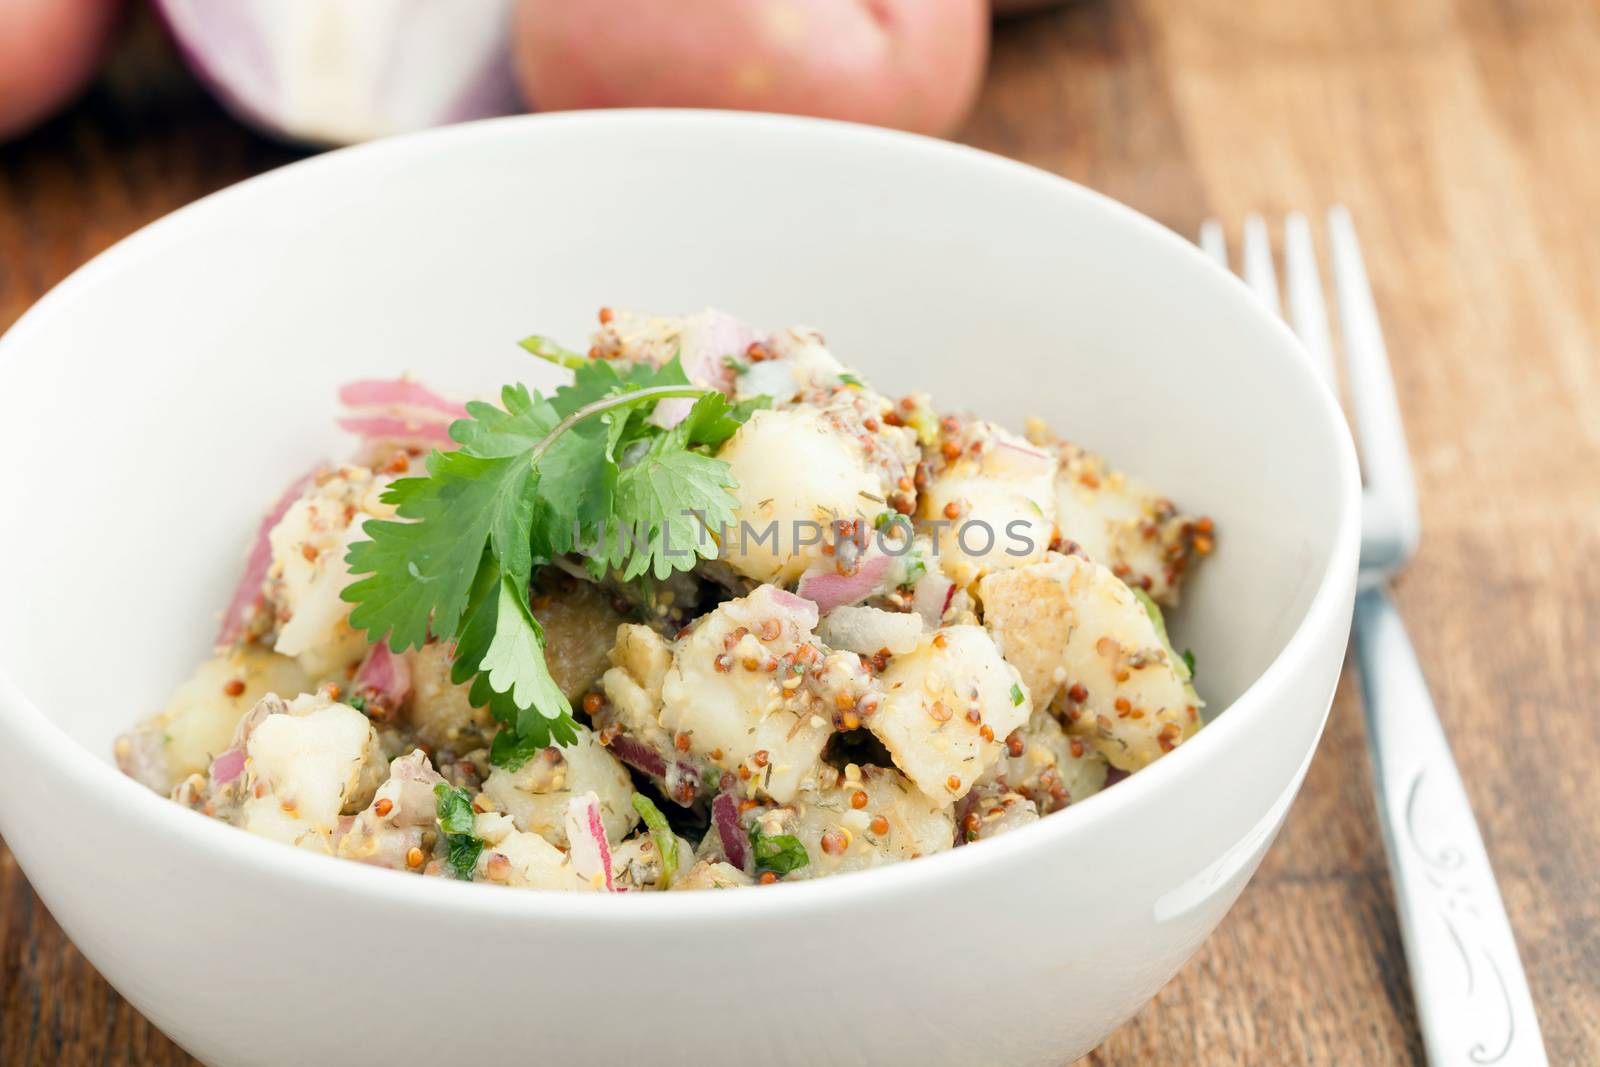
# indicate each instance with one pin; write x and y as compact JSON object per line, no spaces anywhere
{"x":228,"y":766}
{"x":384,"y":675}
{"x":828,"y":589}
{"x":586,"y":833}
{"x":931,"y":597}
{"x":397,"y":392}
{"x":805,"y":611}
{"x":706,"y":342}
{"x":638,"y":755}
{"x":867,"y":630}
{"x":1012,"y":460}
{"x":735,"y":843}
{"x":339,"y":73}
{"x":394,"y":428}
{"x":248,"y":591}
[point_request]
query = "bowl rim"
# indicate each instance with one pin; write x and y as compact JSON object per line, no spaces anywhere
{"x":270,"y":859}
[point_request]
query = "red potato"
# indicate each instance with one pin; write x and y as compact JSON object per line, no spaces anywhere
{"x":913,"y":64}
{"x":49,"y":50}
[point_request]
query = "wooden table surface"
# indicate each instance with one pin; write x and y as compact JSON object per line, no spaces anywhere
{"x":1462,"y":135}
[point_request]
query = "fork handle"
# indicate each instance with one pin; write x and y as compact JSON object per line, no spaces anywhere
{"x":1471,"y":994}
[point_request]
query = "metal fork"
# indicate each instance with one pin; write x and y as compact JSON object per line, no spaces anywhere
{"x":1471,"y":994}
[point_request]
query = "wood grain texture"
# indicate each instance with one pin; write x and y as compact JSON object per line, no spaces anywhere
{"x":1461,"y":135}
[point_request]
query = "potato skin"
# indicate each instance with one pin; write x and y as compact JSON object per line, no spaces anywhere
{"x":911,"y":64}
{"x":49,"y":50}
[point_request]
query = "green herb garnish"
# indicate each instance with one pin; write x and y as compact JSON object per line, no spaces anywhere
{"x":850,"y":379}
{"x":1188,"y":662}
{"x":536,"y":478}
{"x":666,"y":841}
{"x":462,"y":847}
{"x":1017,"y":696}
{"x":359,"y":703}
{"x":738,"y":367}
{"x":779,"y":853}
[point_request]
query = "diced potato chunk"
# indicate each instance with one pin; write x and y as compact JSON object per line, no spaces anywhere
{"x":991,"y":505}
{"x":895,"y":822}
{"x":1137,"y":703}
{"x":797,"y":473}
{"x":304,"y":767}
{"x":1028,"y":613}
{"x":947,"y":708}
{"x":402,"y":814}
{"x":515,"y":858}
{"x":200,"y":719}
{"x":308,"y":569}
{"x":712,"y":874}
{"x":737,"y":695}
{"x":1126,"y":525}
{"x":579,"y":625}
{"x":438,"y":710}
{"x":1050,"y":768}
{"x":537,"y":794}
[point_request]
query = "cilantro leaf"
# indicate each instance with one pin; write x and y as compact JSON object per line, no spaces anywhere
{"x":462,"y":847}
{"x":779,"y":853}
{"x":670,"y":501}
{"x":511,"y":749}
{"x":420,"y":571}
{"x":461,"y":853}
{"x":514,"y":661}
{"x":661,"y":833}
{"x":454,"y":809}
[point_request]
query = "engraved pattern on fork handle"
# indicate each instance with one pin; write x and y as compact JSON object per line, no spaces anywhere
{"x":1472,"y":999}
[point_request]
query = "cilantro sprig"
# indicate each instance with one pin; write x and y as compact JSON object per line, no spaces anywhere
{"x":535,"y":478}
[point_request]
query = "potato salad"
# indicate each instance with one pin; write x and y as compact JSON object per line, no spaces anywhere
{"x":718,"y":613}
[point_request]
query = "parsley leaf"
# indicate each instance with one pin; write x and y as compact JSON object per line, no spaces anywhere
{"x":1017,"y":696}
{"x":779,"y":853}
{"x":661,"y":833}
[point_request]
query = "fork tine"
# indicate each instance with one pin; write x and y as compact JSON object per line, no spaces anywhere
{"x":1213,"y":243}
{"x":1307,"y":312}
{"x":1258,"y":272}
{"x":1391,"y":492}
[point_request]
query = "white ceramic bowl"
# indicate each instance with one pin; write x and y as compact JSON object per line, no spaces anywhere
{"x":153,"y":403}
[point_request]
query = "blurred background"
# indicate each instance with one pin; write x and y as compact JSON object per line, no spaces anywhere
{"x":1460,"y":133}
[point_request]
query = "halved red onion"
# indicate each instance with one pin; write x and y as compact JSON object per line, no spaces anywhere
{"x":339,"y":73}
{"x":828,"y":589}
{"x":735,"y":843}
{"x":586,"y":833}
{"x":248,"y":590}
